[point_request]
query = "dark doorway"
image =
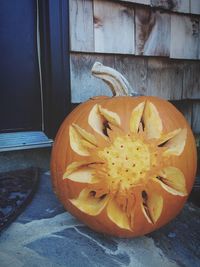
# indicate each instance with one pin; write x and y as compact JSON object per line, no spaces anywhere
{"x":20,"y":90}
{"x":34,"y":71}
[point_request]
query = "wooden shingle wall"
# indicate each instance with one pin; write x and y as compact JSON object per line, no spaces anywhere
{"x":155,"y":44}
{"x":180,"y":6}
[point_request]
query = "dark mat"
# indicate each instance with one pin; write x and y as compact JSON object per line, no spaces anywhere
{"x":17,"y":189}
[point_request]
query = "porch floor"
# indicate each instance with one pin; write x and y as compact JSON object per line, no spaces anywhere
{"x":45,"y":235}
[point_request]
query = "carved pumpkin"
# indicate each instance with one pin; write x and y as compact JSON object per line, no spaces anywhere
{"x":123,"y":165}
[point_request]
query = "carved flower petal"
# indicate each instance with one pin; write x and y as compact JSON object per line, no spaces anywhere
{"x":86,"y":144}
{"x":87,"y":136}
{"x":152,"y":206}
{"x":96,"y":120}
{"x":99,"y":119}
{"x":136,"y":117}
{"x":78,"y":142}
{"x":152,"y":121}
{"x":117,"y":215}
{"x":110,"y":116}
{"x":89,"y":204}
{"x":74,"y":166}
{"x":166,"y":137}
{"x":173,"y":181}
{"x":176,"y":144}
{"x":80,"y":172}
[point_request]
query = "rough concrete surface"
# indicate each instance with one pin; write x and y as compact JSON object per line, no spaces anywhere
{"x":20,"y":159}
{"x":44,"y":235}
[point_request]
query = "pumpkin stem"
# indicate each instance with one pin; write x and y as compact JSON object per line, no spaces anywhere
{"x":115,"y":80}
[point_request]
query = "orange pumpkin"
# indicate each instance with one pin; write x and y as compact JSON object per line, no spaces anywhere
{"x":123,"y":165}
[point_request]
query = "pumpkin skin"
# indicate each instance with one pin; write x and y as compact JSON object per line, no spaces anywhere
{"x":127,"y":192}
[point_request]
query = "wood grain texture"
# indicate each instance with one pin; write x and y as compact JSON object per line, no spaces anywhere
{"x":152,"y":32}
{"x":121,"y":28}
{"x":143,"y":2}
{"x":191,"y":80}
{"x":113,"y":27}
{"x":180,"y":6}
{"x":83,"y":84}
{"x":135,"y":70}
{"x":196,"y":117}
{"x":184,"y":37}
{"x":173,"y":5}
{"x":81,"y":25}
{"x":195,"y":6}
{"x":164,"y":78}
{"x":170,"y":79}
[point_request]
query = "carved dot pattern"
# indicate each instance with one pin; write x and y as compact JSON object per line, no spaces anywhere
{"x":128,"y":163}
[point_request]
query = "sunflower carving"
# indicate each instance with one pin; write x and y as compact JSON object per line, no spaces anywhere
{"x":123,"y":165}
{"x":119,"y":172}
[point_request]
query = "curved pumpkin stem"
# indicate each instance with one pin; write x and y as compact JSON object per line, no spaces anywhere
{"x":115,"y":80}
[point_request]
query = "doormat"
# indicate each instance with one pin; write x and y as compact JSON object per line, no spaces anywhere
{"x":17,"y":189}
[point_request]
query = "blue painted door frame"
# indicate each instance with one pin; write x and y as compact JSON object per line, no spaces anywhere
{"x":20,"y":93}
{"x":31,"y":100}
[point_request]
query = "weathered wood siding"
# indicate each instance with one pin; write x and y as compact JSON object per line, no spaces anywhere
{"x":180,"y":6}
{"x":152,"y":32}
{"x":185,"y":36}
{"x":196,"y":116}
{"x":195,"y":7}
{"x":110,"y":19}
{"x":191,"y":80}
{"x":100,"y":26}
{"x":173,"y":5}
{"x":81,"y":25}
{"x":170,"y":79}
{"x":155,"y":44}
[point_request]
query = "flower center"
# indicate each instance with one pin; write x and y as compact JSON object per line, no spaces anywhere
{"x":128,"y":159}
